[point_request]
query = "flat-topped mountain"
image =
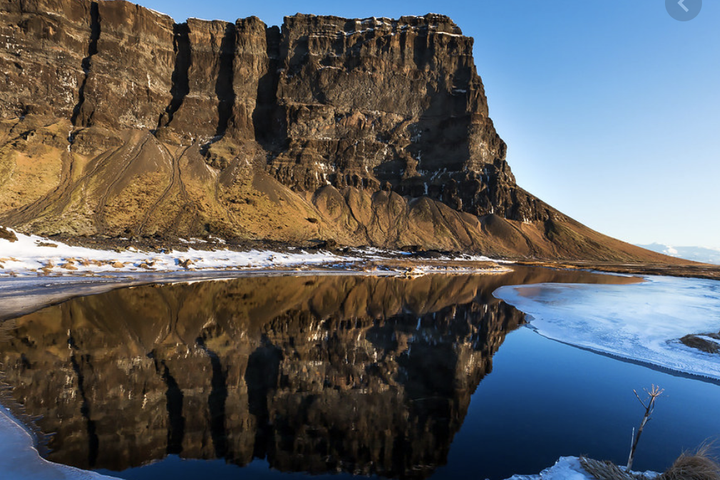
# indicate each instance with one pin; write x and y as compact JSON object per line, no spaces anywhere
{"x":117,"y":121}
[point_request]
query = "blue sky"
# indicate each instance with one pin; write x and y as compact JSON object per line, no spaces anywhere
{"x":610,"y":108}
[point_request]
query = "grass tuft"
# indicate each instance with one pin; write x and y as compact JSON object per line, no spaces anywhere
{"x":688,"y":466}
{"x":694,"y":466}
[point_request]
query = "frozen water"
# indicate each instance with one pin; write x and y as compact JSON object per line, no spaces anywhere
{"x":20,"y":460}
{"x":641,"y":322}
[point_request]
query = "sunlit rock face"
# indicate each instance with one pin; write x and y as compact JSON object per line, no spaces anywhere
{"x":317,"y":374}
{"x":118,"y":121}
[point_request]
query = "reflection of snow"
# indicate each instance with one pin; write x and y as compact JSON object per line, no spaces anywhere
{"x":20,"y":461}
{"x":638,"y":322}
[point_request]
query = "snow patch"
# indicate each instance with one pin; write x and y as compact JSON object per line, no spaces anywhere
{"x":31,"y":255}
{"x":568,"y":468}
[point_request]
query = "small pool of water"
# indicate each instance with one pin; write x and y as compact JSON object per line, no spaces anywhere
{"x":277,"y":377}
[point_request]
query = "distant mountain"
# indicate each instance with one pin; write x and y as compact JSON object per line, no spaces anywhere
{"x":697,"y":254}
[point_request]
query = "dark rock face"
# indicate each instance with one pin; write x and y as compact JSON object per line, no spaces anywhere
{"x":316,"y":374}
{"x":115,"y":120}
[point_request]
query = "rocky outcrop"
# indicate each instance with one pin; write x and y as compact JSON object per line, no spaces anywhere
{"x":118,"y":121}
{"x":316,"y":374}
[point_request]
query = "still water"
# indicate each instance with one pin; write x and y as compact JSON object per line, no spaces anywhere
{"x":277,"y":377}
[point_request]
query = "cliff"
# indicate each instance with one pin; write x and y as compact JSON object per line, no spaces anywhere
{"x":117,"y":121}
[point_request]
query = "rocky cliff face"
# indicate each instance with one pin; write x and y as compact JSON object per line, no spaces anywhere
{"x":118,"y":121}
{"x":316,"y":374}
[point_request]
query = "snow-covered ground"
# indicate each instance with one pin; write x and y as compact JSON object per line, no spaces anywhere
{"x":641,"y":322}
{"x":33,"y":255}
{"x":566,"y":468}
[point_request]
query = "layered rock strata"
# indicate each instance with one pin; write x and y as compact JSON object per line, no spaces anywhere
{"x":118,"y":121}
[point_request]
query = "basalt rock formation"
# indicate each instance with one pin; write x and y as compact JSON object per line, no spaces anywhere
{"x":117,"y":121}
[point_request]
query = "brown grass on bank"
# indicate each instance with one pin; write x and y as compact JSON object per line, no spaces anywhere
{"x":688,"y":466}
{"x":693,"y":466}
{"x":605,"y":470}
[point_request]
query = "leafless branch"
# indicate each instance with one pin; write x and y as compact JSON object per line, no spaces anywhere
{"x":653,"y":394}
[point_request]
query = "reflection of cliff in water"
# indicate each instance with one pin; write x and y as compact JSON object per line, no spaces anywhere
{"x":358,"y":374}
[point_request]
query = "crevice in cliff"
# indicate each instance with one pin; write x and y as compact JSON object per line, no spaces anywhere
{"x":216,"y":401}
{"x":180,"y":77}
{"x":87,"y":61}
{"x":224,"y":86}
{"x":93,"y":440}
{"x":268,"y":123}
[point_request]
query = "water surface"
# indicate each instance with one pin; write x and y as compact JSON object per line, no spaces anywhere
{"x":267,"y":376}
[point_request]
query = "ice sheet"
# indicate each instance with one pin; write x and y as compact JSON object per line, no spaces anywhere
{"x":641,"y":322}
{"x":20,"y":460}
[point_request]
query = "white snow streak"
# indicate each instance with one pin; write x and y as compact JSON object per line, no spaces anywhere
{"x":30,"y":255}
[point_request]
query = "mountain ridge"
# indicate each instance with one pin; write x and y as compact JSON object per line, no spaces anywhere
{"x":117,"y":121}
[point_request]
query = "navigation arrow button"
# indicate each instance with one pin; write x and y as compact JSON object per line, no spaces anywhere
{"x":683,"y":10}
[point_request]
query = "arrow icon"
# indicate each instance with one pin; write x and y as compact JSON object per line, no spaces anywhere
{"x":690,"y":9}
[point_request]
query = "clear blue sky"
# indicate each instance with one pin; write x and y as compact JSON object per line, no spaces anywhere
{"x":610,"y":108}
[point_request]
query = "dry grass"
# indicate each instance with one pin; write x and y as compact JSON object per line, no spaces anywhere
{"x":688,"y":466}
{"x":604,"y":470}
{"x":699,"y":343}
{"x":693,"y":466}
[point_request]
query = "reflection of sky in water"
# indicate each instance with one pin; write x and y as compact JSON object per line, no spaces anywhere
{"x":640,"y":322}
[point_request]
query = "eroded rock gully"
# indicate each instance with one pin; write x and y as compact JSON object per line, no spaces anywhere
{"x":118,"y":121}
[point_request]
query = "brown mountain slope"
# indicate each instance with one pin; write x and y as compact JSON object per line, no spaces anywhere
{"x":117,"y":121}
